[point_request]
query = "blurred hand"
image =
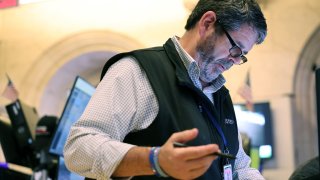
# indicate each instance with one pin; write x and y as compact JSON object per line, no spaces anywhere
{"x":188,"y":162}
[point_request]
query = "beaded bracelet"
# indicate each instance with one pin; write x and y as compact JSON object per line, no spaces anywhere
{"x":154,"y":161}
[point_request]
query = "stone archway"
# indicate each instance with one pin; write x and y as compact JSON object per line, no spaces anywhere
{"x":304,"y":101}
{"x":68,"y":49}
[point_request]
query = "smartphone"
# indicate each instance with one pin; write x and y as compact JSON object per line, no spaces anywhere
{"x":230,"y":156}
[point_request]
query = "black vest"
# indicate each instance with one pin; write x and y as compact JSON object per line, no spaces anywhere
{"x":181,"y":106}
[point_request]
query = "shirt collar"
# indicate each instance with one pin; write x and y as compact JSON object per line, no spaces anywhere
{"x":194,"y":70}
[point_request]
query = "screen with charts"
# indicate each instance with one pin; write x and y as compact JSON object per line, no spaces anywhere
{"x":78,"y":99}
{"x":257,"y":126}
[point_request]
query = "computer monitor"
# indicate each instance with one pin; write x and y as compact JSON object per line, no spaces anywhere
{"x":13,"y":153}
{"x":257,"y":125}
{"x":21,"y":133}
{"x":64,"y":174}
{"x":23,"y":122}
{"x":78,"y":99}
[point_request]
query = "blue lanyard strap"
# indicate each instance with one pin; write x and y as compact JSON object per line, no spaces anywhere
{"x":217,"y":126}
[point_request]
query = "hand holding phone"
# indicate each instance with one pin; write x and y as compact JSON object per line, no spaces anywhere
{"x":230,"y":156}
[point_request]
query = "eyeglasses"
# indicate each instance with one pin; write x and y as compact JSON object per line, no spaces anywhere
{"x":235,"y":51}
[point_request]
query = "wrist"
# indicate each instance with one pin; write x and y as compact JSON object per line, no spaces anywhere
{"x":154,"y":162}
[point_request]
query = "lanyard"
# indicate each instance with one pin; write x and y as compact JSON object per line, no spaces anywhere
{"x":217,"y":126}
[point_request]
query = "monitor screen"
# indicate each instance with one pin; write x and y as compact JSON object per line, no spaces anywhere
{"x":23,"y":122}
{"x":11,"y":150}
{"x":257,"y":126}
{"x":78,"y":99}
{"x":64,"y":174}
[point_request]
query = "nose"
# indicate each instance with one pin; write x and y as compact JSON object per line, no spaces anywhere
{"x":235,"y":60}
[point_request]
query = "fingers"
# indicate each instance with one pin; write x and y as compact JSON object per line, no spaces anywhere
{"x":200,"y":168}
{"x":190,"y":169}
{"x":195,"y":152}
{"x":187,"y":162}
{"x":190,"y":153}
{"x":184,"y":136}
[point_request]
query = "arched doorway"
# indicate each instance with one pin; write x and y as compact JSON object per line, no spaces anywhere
{"x":304,"y":102}
{"x":80,"y":54}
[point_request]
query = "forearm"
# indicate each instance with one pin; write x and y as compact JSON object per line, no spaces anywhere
{"x":95,"y":156}
{"x":134,"y":163}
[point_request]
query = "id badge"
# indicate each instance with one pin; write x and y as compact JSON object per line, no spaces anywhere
{"x":227,"y":172}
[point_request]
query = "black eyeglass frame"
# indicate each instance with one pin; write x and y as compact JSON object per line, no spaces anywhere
{"x":235,"y":51}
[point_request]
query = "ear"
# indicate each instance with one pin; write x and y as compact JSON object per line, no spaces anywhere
{"x":207,"y":22}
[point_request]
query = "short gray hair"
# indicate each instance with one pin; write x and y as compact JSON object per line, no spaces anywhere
{"x":231,"y":15}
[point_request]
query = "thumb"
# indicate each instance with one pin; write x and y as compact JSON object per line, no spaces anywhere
{"x":184,"y":136}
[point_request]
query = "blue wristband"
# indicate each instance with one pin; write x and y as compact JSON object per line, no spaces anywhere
{"x":154,"y":161}
{"x":151,"y":160}
{"x":4,"y":165}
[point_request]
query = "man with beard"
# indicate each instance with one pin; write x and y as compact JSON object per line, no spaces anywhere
{"x":151,"y":98}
